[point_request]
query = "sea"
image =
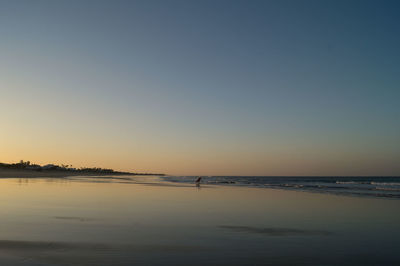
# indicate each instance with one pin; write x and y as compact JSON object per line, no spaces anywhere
{"x":369,"y":186}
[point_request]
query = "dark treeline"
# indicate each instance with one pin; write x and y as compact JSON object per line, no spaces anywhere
{"x":27,"y":165}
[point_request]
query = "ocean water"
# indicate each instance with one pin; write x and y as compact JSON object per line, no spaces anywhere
{"x":373,"y":186}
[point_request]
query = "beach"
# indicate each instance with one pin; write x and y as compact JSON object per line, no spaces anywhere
{"x":199,"y":133}
{"x":147,"y":221}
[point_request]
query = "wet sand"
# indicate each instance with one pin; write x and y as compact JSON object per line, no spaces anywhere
{"x":142,"y":221}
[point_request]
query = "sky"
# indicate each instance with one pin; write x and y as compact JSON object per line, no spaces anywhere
{"x":202,"y":87}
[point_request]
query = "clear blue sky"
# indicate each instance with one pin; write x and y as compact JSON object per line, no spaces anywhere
{"x":203,"y":87}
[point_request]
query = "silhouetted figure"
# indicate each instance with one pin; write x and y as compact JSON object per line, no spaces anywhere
{"x":198,"y":180}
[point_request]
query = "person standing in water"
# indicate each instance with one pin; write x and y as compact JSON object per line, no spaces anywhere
{"x":198,"y":180}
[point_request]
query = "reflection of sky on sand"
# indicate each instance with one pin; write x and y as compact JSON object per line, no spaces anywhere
{"x":58,"y":221}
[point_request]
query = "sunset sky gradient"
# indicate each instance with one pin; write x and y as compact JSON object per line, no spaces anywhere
{"x":202,"y":87}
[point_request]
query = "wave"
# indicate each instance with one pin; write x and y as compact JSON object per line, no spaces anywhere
{"x":385,"y":184}
{"x":387,"y":189}
{"x":352,"y":183}
{"x":356,"y":186}
{"x":368,"y":183}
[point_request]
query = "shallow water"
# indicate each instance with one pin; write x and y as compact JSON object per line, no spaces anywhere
{"x":147,"y":221}
{"x":366,"y":186}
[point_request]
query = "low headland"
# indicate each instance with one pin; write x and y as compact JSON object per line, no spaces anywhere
{"x":24,"y":169}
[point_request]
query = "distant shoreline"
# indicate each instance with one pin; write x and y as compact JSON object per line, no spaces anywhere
{"x":27,"y":170}
{"x":23,"y":173}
